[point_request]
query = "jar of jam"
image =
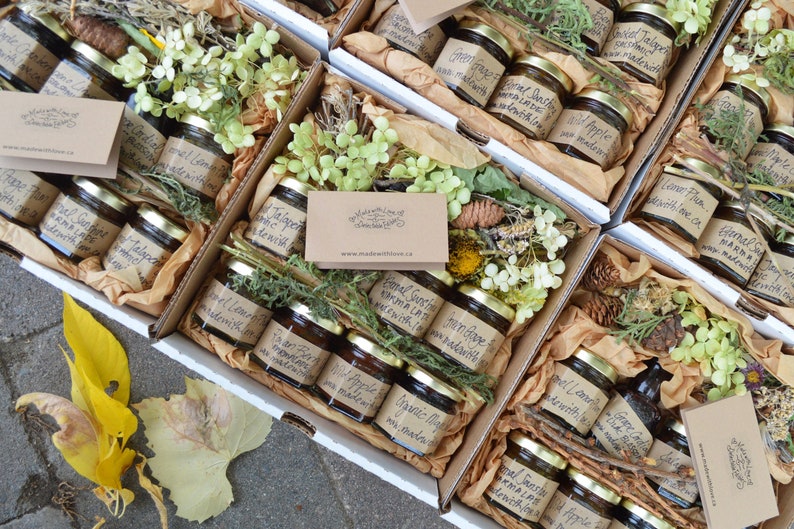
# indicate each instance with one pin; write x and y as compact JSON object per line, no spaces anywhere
{"x":296,"y":344}
{"x":682,"y":203}
{"x":729,"y":246}
{"x":767,"y":282}
{"x":84,"y":220}
{"x":25,"y":196}
{"x":417,"y":411}
{"x":470,"y":327}
{"x":395,"y":27}
{"x":410,"y":300}
{"x":324,"y":7}
{"x":31,"y":46}
{"x":528,"y":477}
{"x":85,"y":72}
{"x":280,"y":224}
{"x":143,"y":138}
{"x":580,"y":502}
{"x":473,"y":61}
{"x":229,"y":310}
{"x":774,"y":154}
{"x":603,"y":14}
{"x":578,"y":390}
{"x":671,"y":452}
{"x":592,"y":128}
{"x":745,"y":97}
{"x":629,"y":515}
{"x":642,"y":42}
{"x":193,"y":157}
{"x":145,"y":244}
{"x":357,"y":377}
{"x":531,"y":96}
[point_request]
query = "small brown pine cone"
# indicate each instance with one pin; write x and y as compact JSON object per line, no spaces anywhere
{"x":479,"y":214}
{"x":108,"y":39}
{"x":667,"y":334}
{"x":603,"y":309}
{"x":600,"y":275}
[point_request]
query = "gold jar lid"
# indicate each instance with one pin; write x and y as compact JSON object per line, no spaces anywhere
{"x":103,"y":194}
{"x":752,"y":86}
{"x":701,"y":166}
{"x":645,"y":515}
{"x":293,"y":183}
{"x":780,"y":128}
{"x":371,"y":348}
{"x":597,"y":363}
{"x":329,"y":325}
{"x":47,"y":21}
{"x":552,"y":458}
{"x":198,"y":122}
{"x":443,"y":276}
{"x":240,"y":267}
{"x":593,"y":486}
{"x":656,"y":11}
{"x":737,"y":205}
{"x":93,"y":55}
{"x":609,"y":100}
{"x":488,"y":32}
{"x":433,"y":382}
{"x":548,"y":67}
{"x":162,"y":223}
{"x":676,"y":426}
{"x":492,"y":302}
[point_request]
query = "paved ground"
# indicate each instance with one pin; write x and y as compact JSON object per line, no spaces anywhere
{"x":289,"y":482}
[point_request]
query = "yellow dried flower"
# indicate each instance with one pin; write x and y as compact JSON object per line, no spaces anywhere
{"x":465,"y":258}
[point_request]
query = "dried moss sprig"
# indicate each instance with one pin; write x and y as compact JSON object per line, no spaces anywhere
{"x":565,"y":20}
{"x":726,"y":127}
{"x":635,"y":324}
{"x":184,"y":201}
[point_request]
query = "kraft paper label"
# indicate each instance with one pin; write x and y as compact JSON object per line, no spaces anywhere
{"x":602,"y":17}
{"x":141,"y":143}
{"x":279,"y":227}
{"x":522,"y":490}
{"x":395,"y":27}
{"x":683,"y":202}
{"x":641,"y":46}
{"x":669,"y":459}
{"x":528,"y":103}
{"x":290,"y":354}
{"x":732,"y":244}
{"x":66,"y":80}
{"x":728,"y":102}
{"x":464,"y":337}
{"x":352,"y":387}
{"x":78,"y":229}
{"x":774,"y":160}
{"x":22,"y":56}
{"x":619,"y":428}
{"x":232,"y":314}
{"x":589,"y":134}
{"x":24,"y":196}
{"x":564,"y":513}
{"x":573,"y":398}
{"x":405,"y":304}
{"x":412,"y":421}
{"x":469,"y":67}
{"x":132,"y":249}
{"x":193,"y":166}
{"x":767,"y":278}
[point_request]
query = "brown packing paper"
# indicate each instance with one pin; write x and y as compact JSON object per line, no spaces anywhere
{"x":330,"y":24}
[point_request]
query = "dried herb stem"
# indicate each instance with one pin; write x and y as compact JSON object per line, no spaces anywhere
{"x":185,"y":202}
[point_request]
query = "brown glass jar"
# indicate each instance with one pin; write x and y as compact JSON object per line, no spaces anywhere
{"x":592,"y":128}
{"x":280,"y":224}
{"x":671,"y":451}
{"x":728,"y":246}
{"x":629,"y":515}
{"x":774,"y":154}
{"x":410,"y":300}
{"x":84,"y":220}
{"x":85,"y":72}
{"x":229,"y":311}
{"x":324,"y":7}
{"x":642,"y":42}
{"x":578,"y":390}
{"x":193,"y":157}
{"x":527,"y":478}
{"x":531,"y":96}
{"x":682,"y":203}
{"x":143,"y":138}
{"x":580,"y":502}
{"x":767,"y":282}
{"x":145,"y":244}
{"x":417,"y":411}
{"x":470,"y":327}
{"x":296,"y":345}
{"x":25,"y":196}
{"x":31,"y":46}
{"x":395,"y":27}
{"x":357,"y":377}
{"x":473,"y":60}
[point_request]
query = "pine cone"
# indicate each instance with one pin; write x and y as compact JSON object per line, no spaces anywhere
{"x":603,"y":309}
{"x":666,"y":335}
{"x":108,"y":39}
{"x":601,"y":274}
{"x":479,"y":214}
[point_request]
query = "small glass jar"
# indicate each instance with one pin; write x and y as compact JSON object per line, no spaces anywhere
{"x":417,"y":411}
{"x":740,"y":95}
{"x":145,"y":244}
{"x":729,"y":246}
{"x":531,"y":96}
{"x":527,"y":478}
{"x":193,"y":157}
{"x":603,"y":14}
{"x":642,"y":42}
{"x":470,"y":328}
{"x":280,"y":224}
{"x":85,"y":72}
{"x":578,"y":390}
{"x":592,"y":128}
{"x":143,"y":138}
{"x":410,"y":300}
{"x":682,"y":203}
{"x":31,"y":46}
{"x":84,"y":220}
{"x":670,"y":450}
{"x":296,"y":345}
{"x":580,"y":502}
{"x":629,"y":515}
{"x":767,"y":282}
{"x":774,"y":154}
{"x":357,"y":377}
{"x":25,"y":196}
{"x":395,"y":27}
{"x":229,"y":311}
{"x":473,"y":61}
{"x":324,"y":7}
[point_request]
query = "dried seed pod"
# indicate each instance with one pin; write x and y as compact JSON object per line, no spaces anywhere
{"x":108,"y":39}
{"x":600,"y":275}
{"x":603,"y":309}
{"x":479,"y":214}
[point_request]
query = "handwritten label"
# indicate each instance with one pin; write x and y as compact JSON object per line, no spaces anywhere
{"x":278,"y":227}
{"x":231,"y":314}
{"x":639,"y":45}
{"x":78,"y":229}
{"x":395,"y":27}
{"x":589,"y":134}
{"x":464,"y":337}
{"x":24,"y":196}
{"x":412,"y":421}
{"x":682,"y":202}
{"x":530,"y":104}
{"x":469,"y":67}
{"x":67,"y":80}
{"x":352,"y":387}
{"x":521,"y":490}
{"x":670,"y":460}
{"x":290,"y":354}
{"x":774,"y":160}
{"x":619,"y":428}
{"x":732,"y":244}
{"x":767,"y":279}
{"x":197,"y":168}
{"x":405,"y":304}
{"x":727,"y":102}
{"x":573,"y":398}
{"x":132,"y":249}
{"x":24,"y":57}
{"x":141,"y":143}
{"x":602,"y":18}
{"x":565,"y":513}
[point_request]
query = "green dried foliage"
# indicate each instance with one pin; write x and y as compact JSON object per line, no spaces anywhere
{"x":779,"y":70}
{"x":184,"y":201}
{"x":726,"y":127}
